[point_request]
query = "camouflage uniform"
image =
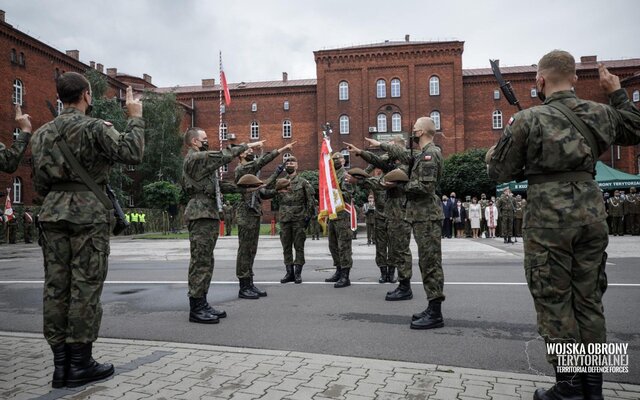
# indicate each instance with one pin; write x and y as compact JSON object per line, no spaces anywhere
{"x":565,"y":233}
{"x":75,"y":224}
{"x":632,"y":202}
{"x":228,"y":211}
{"x":518,"y":215}
{"x":370,"y":219}
{"x":340,"y":234}
{"x":616,"y":211}
{"x":201,"y":214}
{"x":10,"y":157}
{"x":506,"y":209}
{"x":314,"y":226}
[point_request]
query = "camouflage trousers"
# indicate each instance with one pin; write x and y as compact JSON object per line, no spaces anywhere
{"x":517,"y":227}
{"x":635,"y":223}
{"x":399,"y":234}
{"x":248,"y":235}
{"x":382,"y":242}
{"x":75,"y":267}
{"x":228,"y":227}
{"x":617,"y":226}
{"x":293,"y":236}
{"x":203,"y":235}
{"x":428,"y":237}
{"x":565,"y":271}
{"x":371,"y":232}
{"x":315,"y":228}
{"x":506,"y":226}
{"x":340,"y":237}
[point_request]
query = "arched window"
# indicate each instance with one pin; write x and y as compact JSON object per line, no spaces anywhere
{"x":285,"y":157}
{"x":254,"y":107}
{"x":347,"y":158}
{"x":396,"y":122}
{"x":14,"y":56}
{"x":344,"y":125}
{"x":18,"y":90}
{"x":286,"y":129}
{"x":381,"y":89}
{"x":21,"y":60}
{"x":255,"y":130}
{"x":382,"y":123}
{"x":435,"y":116}
{"x":395,"y":87}
{"x":497,"y":119}
{"x":223,"y":131}
{"x":17,"y":190}
{"x":59,"y":106}
{"x":434,"y":86}
{"x":636,"y":96}
{"x":343,"y":90}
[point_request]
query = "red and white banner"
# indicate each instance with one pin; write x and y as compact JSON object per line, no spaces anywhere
{"x":353,"y":213}
{"x":331,"y":201}
{"x":223,"y":82}
{"x":8,"y":210}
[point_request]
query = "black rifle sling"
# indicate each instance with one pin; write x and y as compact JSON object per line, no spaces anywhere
{"x":579,"y":124}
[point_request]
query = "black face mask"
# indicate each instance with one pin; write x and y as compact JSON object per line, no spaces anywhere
{"x":541,"y":95}
{"x":250,"y":157}
{"x":415,"y":139}
{"x":290,"y":170}
{"x":204,"y":146}
{"x":337,"y":165}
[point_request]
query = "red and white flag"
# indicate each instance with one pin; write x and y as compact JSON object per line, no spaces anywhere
{"x":331,"y":201}
{"x":8,"y":210}
{"x":351,"y":209}
{"x":223,"y":82}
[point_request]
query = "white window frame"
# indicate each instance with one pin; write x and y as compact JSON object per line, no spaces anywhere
{"x":17,"y":190}
{"x":396,"y":122}
{"x":285,"y":105}
{"x":496,"y":94}
{"x":18,"y":92}
{"x":223,"y":109}
{"x":534,"y":92}
{"x":437,"y":118}
{"x":287,"y":129}
{"x":395,"y":87}
{"x":636,"y":96}
{"x":254,"y":107}
{"x":344,"y":124}
{"x":343,"y":91}
{"x":434,"y":86}
{"x":224,"y":131}
{"x":496,"y":119}
{"x":381,"y":89}
{"x":285,"y":156}
{"x":130,"y":200}
{"x":225,"y":168}
{"x":347,"y":158}
{"x":255,"y":130}
{"x":131,"y":168}
{"x":16,"y":133}
{"x":381,"y":123}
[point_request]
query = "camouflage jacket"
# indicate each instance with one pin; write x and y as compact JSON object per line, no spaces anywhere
{"x":199,"y":181}
{"x":506,"y":205}
{"x":520,"y":207}
{"x":542,"y":141}
{"x":632,"y":203}
{"x":399,"y":157}
{"x":297,"y":203}
{"x":379,"y":195}
{"x":10,"y":157}
{"x":96,"y":145}
{"x":422,"y":202}
{"x":346,"y":189}
{"x":252,"y":202}
{"x":616,"y":207}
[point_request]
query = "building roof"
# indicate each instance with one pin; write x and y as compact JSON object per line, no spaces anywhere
{"x":389,"y":43}
{"x":631,"y":62}
{"x":239,"y":86}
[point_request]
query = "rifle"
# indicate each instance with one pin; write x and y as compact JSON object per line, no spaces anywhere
{"x":121,"y":220}
{"x":506,"y":88}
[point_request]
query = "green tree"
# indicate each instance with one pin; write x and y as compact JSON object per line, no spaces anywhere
{"x":98,"y":81}
{"x":466,"y":174}
{"x":161,"y":195}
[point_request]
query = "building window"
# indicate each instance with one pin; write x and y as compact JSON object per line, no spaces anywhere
{"x":434,"y":86}
{"x":347,"y":158}
{"x":130,"y":200}
{"x":344,"y":125}
{"x":286,"y":129}
{"x":343,"y":90}
{"x":285,"y":157}
{"x":225,"y":168}
{"x":16,"y":133}
{"x":496,"y":94}
{"x":17,"y":190}
{"x":636,"y":96}
{"x":435,"y":116}
{"x":21,"y":59}
{"x":396,"y":122}
{"x":254,"y":107}
{"x":223,"y":131}
{"x":497,"y":119}
{"x":131,"y":168}
{"x":395,"y":87}
{"x":382,"y":123}
{"x":286,"y":105}
{"x":534,"y":92}
{"x":14,"y":56}
{"x":255,"y":130}
{"x":59,"y":106}
{"x":381,"y":89}
{"x":18,"y":90}
{"x":223,"y":109}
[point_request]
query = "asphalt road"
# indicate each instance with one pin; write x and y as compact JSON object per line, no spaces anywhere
{"x":489,"y":316}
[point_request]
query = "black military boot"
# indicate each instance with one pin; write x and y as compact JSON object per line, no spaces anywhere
{"x":509,"y":240}
{"x":432,"y":317}
{"x":60,"y":364}
{"x":567,"y":387}
{"x":336,"y":275}
{"x":344,"y":278}
{"x":402,"y":292}
{"x":83,"y":368}
{"x":592,"y":386}
{"x":256,"y":290}
{"x":391,"y":271}
{"x":211,"y":310}
{"x":245,"y":290}
{"x":297,"y":273}
{"x":288,"y":277}
{"x":383,"y":275}
{"x":198,"y":312}
{"x":505,"y":239}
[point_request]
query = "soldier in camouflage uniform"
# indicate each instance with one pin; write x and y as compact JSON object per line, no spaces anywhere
{"x":248,"y":214}
{"x":296,"y":209}
{"x":75,"y":224}
{"x":616,"y":211}
{"x":506,"y":210}
{"x":10,"y":157}
{"x":565,"y":233}
{"x":201,"y":183}
{"x":369,"y":210}
{"x":518,"y":215}
{"x":632,"y":202}
{"x":228,"y":212}
{"x":314,"y":226}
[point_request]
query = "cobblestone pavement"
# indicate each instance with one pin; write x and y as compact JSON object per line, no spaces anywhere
{"x":164,"y":370}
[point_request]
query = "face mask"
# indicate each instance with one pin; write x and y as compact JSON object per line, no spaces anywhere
{"x":416,"y":139}
{"x":290,"y":170}
{"x":204,"y":146}
{"x":250,"y":157}
{"x":541,"y":95}
{"x":337,"y":165}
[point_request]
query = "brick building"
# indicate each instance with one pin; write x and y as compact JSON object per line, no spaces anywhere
{"x":375,"y":90}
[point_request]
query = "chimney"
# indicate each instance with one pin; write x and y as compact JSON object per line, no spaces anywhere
{"x":75,"y":54}
{"x":1,"y":15}
{"x":92,"y":64}
{"x":211,"y":82}
{"x":146,"y":77}
{"x":406,"y":38}
{"x":112,"y":72}
{"x":285,"y":77}
{"x":588,"y":59}
{"x":100,"y":67}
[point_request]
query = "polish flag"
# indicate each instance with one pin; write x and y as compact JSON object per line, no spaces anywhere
{"x":331,"y":201}
{"x":8,"y":210}
{"x":351,"y":209}
{"x":225,"y":87}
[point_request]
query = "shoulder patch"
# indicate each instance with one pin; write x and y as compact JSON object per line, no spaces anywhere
{"x":427,"y":158}
{"x":511,"y":120}
{"x":107,"y":123}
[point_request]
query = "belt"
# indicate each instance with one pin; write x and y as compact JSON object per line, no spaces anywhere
{"x":572,"y":176}
{"x":70,"y":187}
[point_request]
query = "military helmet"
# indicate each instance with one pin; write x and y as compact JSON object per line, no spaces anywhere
{"x":337,"y":155}
{"x":358,"y":173}
{"x":291,"y":158}
{"x":397,"y":175}
{"x":249,"y":180}
{"x":282,"y":184}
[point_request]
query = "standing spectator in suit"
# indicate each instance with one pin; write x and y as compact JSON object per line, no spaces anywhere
{"x":446,"y":222}
{"x":459,"y":218}
{"x":491,"y":215}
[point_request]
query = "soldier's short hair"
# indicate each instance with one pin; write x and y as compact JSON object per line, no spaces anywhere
{"x":557,"y":65}
{"x":399,"y":140}
{"x":70,"y":87}
{"x":190,"y":134}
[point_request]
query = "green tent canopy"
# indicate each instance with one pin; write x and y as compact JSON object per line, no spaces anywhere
{"x":608,"y":179}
